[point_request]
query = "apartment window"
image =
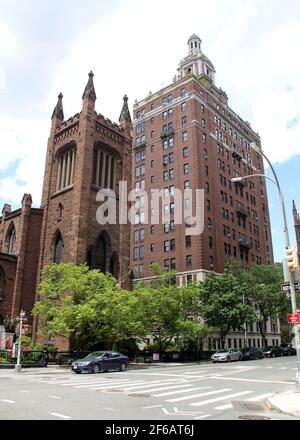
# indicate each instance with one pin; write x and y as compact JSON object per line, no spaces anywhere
{"x":205,"y":154}
{"x":185,"y":152}
{"x":140,"y":155}
{"x":211,"y":262}
{"x":187,"y":185}
{"x":136,"y":253}
{"x":166,"y":246}
{"x":186,"y":168}
{"x":188,"y":241}
{"x":173,"y":263}
{"x":167,"y":114}
{"x":171,"y":174}
{"x":185,"y":136}
{"x":142,"y":252}
{"x":140,"y":171}
{"x":183,"y":107}
{"x":184,"y":121}
{"x":208,"y":204}
{"x":209,"y":223}
{"x":210,"y":242}
{"x":207,"y":187}
{"x":172,"y":208}
{"x":168,"y":143}
{"x":172,"y":245}
{"x":206,"y":170}
{"x":167,"y":265}
{"x":152,"y":148}
{"x":204,"y":138}
{"x":152,"y":230}
{"x":152,"y":179}
{"x":189,"y":262}
{"x":202,"y":108}
{"x":183,"y":92}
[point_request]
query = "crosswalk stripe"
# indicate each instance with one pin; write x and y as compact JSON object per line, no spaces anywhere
{"x":198,"y":395}
{"x":261,"y":397}
{"x":110,"y":386}
{"x":94,"y":382}
{"x":224,"y":407}
{"x":194,"y":371}
{"x":179,"y":391}
{"x":229,"y":396}
{"x":142,"y":385}
{"x":202,"y":417}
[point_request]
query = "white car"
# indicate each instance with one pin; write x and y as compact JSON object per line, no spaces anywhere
{"x":232,"y":354}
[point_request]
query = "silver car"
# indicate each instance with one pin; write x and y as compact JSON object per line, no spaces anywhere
{"x":232,"y":354}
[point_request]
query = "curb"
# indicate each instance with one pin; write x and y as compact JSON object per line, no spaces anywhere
{"x":276,"y":407}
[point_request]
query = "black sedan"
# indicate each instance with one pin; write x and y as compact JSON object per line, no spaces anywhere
{"x":274,"y":351}
{"x":100,"y":361}
{"x":250,"y":353}
{"x":288,"y":349}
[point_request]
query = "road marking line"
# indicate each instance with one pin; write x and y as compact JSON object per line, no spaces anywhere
{"x":224,"y":407}
{"x":54,"y":397}
{"x":150,"y":385}
{"x":91,"y":382}
{"x":179,"y":391}
{"x":253,"y":380}
{"x":261,"y":397}
{"x":229,"y":396}
{"x":111,"y":409}
{"x":154,"y":406}
{"x":202,"y":417}
{"x":105,"y":386}
{"x":195,"y":371}
{"x":23,"y":391}
{"x":281,"y":368}
{"x":199,"y":395}
{"x":7,"y":401}
{"x":94,"y":383}
{"x":60,"y":415}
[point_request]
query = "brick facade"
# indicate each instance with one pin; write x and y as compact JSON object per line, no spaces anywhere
{"x":297,"y":228}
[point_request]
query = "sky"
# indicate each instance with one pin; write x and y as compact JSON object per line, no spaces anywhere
{"x":135,"y":47}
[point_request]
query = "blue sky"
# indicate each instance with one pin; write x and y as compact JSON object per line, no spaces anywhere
{"x":134,"y":47}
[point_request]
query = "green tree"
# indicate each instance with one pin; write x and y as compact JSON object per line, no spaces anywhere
{"x":84,"y":306}
{"x":264,"y":290}
{"x":165,"y":310}
{"x":222,"y":304}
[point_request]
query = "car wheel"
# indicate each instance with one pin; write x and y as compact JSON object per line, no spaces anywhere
{"x":77,"y":372}
{"x":273,"y":355}
{"x":228,"y":359}
{"x":95,"y":369}
{"x":123,"y":367}
{"x":261,"y":356}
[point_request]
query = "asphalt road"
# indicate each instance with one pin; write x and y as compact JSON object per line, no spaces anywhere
{"x":231,"y":391}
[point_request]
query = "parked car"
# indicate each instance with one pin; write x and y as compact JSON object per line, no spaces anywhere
{"x":250,"y":353}
{"x":100,"y":361}
{"x":288,"y":349}
{"x":274,"y":351}
{"x":229,"y":355}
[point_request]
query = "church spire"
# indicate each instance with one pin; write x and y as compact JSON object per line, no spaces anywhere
{"x":89,"y":91}
{"x":125,"y":118}
{"x":295,"y":213}
{"x":58,"y":111}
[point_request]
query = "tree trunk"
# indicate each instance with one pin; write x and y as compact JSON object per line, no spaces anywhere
{"x":262,"y":332}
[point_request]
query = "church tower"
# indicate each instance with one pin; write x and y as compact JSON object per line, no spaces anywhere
{"x":85,"y":154}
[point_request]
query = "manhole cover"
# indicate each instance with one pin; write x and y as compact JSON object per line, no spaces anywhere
{"x":138,"y":395}
{"x":253,"y":417}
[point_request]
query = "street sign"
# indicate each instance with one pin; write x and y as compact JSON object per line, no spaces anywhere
{"x":286,"y":286}
{"x":294,"y":318}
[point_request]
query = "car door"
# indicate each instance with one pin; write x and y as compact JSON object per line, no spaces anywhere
{"x":232,"y":354}
{"x":106,"y":362}
{"x":115,"y":360}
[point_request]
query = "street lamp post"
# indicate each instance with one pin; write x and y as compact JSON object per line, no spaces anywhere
{"x":291,"y":278}
{"x":18,"y":366}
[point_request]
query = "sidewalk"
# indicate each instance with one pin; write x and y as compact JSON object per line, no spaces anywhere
{"x":287,"y":403}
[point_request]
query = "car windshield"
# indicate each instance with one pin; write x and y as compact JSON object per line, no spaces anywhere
{"x":94,"y":354}
{"x":222,"y":351}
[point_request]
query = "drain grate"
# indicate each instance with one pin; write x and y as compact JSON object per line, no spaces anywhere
{"x":249,"y":406}
{"x":254,"y":417}
{"x":138,"y":395}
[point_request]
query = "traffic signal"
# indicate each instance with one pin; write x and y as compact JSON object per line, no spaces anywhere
{"x":292,"y":258}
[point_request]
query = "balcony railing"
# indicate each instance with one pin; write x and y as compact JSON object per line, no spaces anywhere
{"x":167,"y":133}
{"x":243,"y":242}
{"x":241,"y":212}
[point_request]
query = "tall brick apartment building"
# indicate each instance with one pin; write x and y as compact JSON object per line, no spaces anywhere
{"x":186,"y":136}
{"x":85,"y":153}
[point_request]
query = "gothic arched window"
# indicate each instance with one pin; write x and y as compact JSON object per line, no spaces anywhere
{"x":2,"y":282}
{"x":102,"y":251}
{"x":58,"y":245}
{"x":104,"y":169}
{"x":11,"y":239}
{"x":65,"y":172}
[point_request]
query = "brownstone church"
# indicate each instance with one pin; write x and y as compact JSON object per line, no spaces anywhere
{"x":84,"y":154}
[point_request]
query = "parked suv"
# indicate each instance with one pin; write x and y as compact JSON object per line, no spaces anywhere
{"x":252,"y":353}
{"x":288,"y":349}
